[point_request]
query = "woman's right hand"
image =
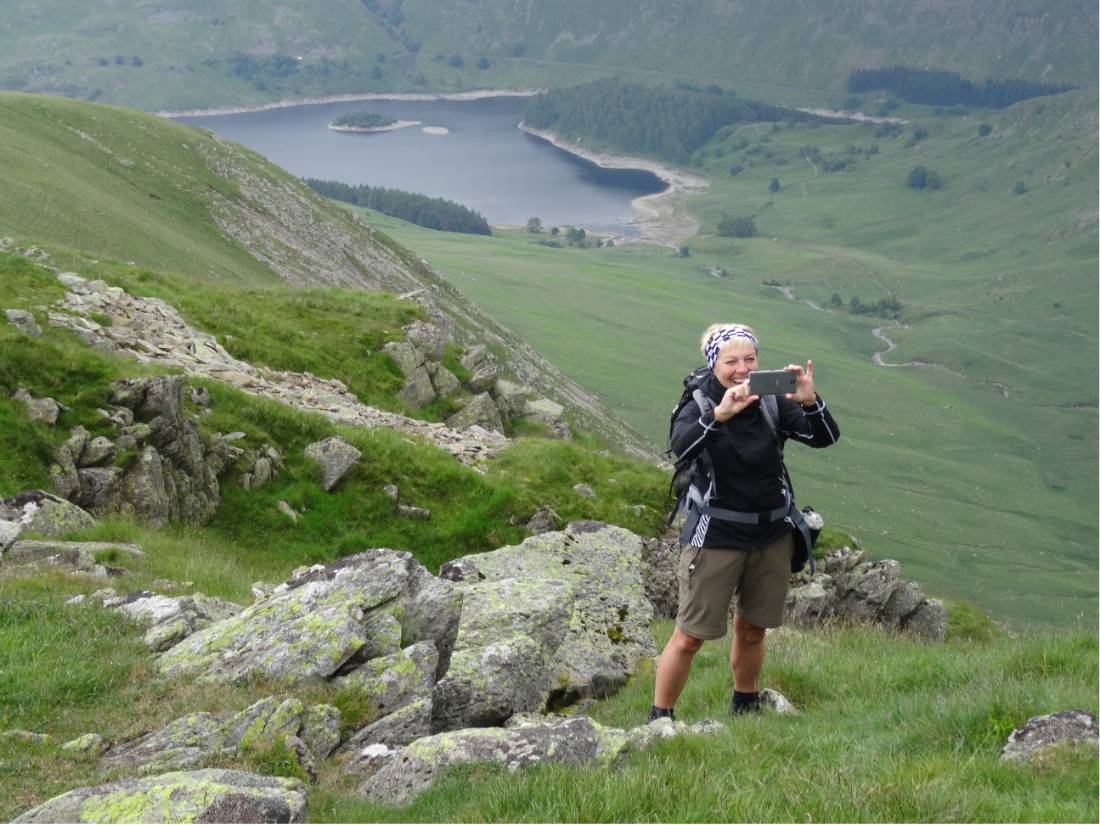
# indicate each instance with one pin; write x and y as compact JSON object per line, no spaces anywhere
{"x":735,"y":400}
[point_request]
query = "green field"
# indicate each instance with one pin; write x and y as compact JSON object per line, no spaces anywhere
{"x":976,"y":493}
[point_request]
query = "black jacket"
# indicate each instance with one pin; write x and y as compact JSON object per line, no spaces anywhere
{"x":748,"y":470}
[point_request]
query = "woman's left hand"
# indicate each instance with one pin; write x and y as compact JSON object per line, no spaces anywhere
{"x":804,"y":383}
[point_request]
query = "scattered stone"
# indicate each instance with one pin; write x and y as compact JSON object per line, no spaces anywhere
{"x":543,"y":521}
{"x":9,"y":532}
{"x":89,"y":743}
{"x":645,"y":736}
{"x":391,"y":491}
{"x":777,"y":702}
{"x":183,"y":796}
{"x":413,"y":512}
{"x":200,"y":396}
{"x":77,"y":555}
{"x":289,"y":511}
{"x":24,"y":322}
{"x":584,"y":491}
{"x":45,"y":410}
{"x":335,"y":456}
{"x":1028,"y":742}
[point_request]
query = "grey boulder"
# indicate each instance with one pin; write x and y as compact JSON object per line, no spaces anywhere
{"x":335,"y":456}
{"x":182,"y":796}
{"x":1029,"y":741}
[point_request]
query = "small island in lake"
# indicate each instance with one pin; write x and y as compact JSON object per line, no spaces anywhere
{"x":369,"y":122}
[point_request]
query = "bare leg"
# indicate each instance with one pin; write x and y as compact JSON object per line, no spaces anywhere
{"x":673,"y":668}
{"x":746,"y":655}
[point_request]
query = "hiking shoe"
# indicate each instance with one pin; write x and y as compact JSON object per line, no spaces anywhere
{"x":742,"y":703}
{"x":660,"y":713}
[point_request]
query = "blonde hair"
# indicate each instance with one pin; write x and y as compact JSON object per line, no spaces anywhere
{"x":714,"y":329}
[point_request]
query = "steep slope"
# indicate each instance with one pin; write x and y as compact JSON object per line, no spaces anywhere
{"x":121,"y":184}
{"x":170,"y":54}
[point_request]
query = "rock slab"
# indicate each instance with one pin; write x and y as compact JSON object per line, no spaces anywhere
{"x":1042,"y":732}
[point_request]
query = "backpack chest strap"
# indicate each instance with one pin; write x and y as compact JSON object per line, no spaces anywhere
{"x":765,"y":517}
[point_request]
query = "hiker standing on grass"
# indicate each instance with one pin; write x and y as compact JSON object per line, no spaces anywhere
{"x":741,"y":534}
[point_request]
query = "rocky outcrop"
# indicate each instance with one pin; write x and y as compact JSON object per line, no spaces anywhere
{"x":527,"y":740}
{"x":151,"y":331}
{"x":1028,"y":742}
{"x":847,"y":588}
{"x":325,"y":621}
{"x":596,"y":570}
{"x":196,"y":796}
{"x":174,"y":477}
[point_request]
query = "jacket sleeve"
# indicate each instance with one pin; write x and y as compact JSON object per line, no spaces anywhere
{"x":813,"y":426}
{"x":692,"y":431}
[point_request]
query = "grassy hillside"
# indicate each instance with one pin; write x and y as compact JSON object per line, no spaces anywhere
{"x":976,"y":470}
{"x":171,"y":54}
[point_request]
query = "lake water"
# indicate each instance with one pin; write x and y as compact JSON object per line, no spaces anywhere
{"x":484,"y":162}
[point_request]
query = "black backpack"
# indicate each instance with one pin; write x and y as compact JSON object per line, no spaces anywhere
{"x":699,"y":469}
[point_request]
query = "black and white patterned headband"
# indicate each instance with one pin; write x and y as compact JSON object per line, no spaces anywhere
{"x":722,"y":337}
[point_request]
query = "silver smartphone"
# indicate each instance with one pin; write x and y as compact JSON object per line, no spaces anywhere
{"x":771,"y":382}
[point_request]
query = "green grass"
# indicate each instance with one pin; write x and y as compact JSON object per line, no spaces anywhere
{"x":891,"y":730}
{"x":973,"y":492}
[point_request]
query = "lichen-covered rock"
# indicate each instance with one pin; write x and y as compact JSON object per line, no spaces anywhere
{"x":483,"y":367}
{"x":402,"y":726}
{"x":1028,"y":742}
{"x":391,"y":682}
{"x":544,"y":411}
{"x":777,"y":702}
{"x":407,"y":356}
{"x":182,"y":796}
{"x":47,"y":515}
{"x":313,"y":624}
{"x":644,"y":737}
{"x":172,"y":619}
{"x":607,"y":631}
{"x":480,"y":411}
{"x":79,"y":555}
{"x":443,"y":380}
{"x":89,"y":743}
{"x":508,"y":638}
{"x":335,"y":456}
{"x":572,"y":740}
{"x":199,"y":737}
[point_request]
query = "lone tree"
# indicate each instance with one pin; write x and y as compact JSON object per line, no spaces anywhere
{"x":922,"y":178}
{"x":774,"y":185}
{"x":984,"y":130}
{"x":534,"y":225}
{"x":740,"y":226}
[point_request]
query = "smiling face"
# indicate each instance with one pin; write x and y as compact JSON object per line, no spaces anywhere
{"x":735,"y":361}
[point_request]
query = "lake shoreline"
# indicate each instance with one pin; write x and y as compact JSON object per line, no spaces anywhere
{"x":351,"y":98}
{"x":660,"y":221}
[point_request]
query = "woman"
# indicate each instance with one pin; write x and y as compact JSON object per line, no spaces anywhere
{"x":725,"y":555}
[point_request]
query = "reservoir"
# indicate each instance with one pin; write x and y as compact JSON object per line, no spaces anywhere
{"x":481,"y":161}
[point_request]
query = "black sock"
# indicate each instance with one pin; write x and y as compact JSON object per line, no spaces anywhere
{"x":745,"y":702}
{"x":659,"y":713}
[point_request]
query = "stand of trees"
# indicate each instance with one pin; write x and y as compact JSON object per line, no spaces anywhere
{"x":432,"y":213}
{"x":948,"y":88}
{"x":669,"y":123}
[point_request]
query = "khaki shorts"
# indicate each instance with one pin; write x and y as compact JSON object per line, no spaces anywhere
{"x":710,"y":578}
